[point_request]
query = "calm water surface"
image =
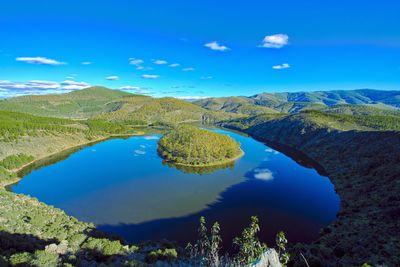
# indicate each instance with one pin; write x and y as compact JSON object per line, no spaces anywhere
{"x":122,"y":186}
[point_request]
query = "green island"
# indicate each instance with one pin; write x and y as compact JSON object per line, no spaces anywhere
{"x":336,"y":129}
{"x":192,"y":146}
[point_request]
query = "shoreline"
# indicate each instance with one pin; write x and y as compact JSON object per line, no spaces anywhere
{"x":241,"y":154}
{"x":12,"y":181}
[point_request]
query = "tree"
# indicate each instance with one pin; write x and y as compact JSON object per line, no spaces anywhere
{"x":249,"y":246}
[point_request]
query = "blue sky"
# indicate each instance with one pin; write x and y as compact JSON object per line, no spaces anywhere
{"x":199,"y":48}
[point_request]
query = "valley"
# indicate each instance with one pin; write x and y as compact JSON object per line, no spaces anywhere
{"x":354,"y":136}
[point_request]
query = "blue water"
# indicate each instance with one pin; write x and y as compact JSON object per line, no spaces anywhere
{"x":123,"y":187}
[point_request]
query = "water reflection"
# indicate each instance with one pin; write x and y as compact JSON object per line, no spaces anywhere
{"x":200,"y":170}
{"x":123,"y":187}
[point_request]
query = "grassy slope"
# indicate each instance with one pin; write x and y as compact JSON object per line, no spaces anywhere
{"x":77,"y":104}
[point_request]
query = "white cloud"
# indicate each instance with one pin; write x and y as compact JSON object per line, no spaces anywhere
{"x":188,"y":69}
{"x":263,"y":174}
{"x":270,"y":150}
{"x":150,"y":76}
{"x":216,"y":46}
{"x":160,"y":62}
{"x":135,"y":61}
{"x":174,"y":65}
{"x":139,"y":152}
{"x":112,"y":78}
{"x":135,"y":89}
{"x":275,"y":41}
{"x":151,"y":137}
{"x":14,"y":88}
{"x":29,"y":85}
{"x":86,"y":63}
{"x":206,"y":77}
{"x":40,"y":61}
{"x":73,"y":85}
{"x":281,"y":66}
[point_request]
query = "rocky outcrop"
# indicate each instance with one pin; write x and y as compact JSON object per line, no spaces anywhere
{"x":270,"y":258}
{"x":364,"y":167}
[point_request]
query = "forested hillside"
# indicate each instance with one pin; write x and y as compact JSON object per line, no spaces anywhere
{"x":77,"y":104}
{"x":300,"y":101}
{"x":143,"y":110}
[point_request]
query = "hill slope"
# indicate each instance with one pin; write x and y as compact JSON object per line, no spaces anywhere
{"x":77,"y":104}
{"x":359,"y":153}
{"x":167,"y":110}
{"x":299,"y":101}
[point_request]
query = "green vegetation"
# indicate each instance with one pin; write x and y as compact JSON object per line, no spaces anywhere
{"x":189,"y":145}
{"x":8,"y":164}
{"x":320,"y":119}
{"x":77,"y":104}
{"x":166,"y":254}
{"x":356,"y":122}
{"x":334,"y":101}
{"x":380,"y":110}
{"x":249,"y":246}
{"x":113,"y":105}
{"x":14,"y":125}
{"x":35,"y":234}
{"x":244,"y":123}
{"x":240,"y":105}
{"x":15,"y":161}
{"x":206,"y":250}
{"x":143,"y":110}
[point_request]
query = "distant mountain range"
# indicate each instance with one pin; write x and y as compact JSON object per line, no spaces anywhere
{"x":115,"y":105}
{"x":297,"y":101}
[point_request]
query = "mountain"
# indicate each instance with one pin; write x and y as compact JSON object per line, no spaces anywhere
{"x":112,"y":105}
{"x":77,"y":104}
{"x":299,"y":101}
{"x":239,"y":104}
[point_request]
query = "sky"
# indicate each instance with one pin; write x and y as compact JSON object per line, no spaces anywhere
{"x":197,"y":49}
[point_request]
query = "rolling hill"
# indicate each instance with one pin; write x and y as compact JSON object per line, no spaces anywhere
{"x":113,"y":105}
{"x":78,"y":104}
{"x":299,"y":101}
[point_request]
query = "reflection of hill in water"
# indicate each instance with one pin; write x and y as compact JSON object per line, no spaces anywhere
{"x":200,"y":170}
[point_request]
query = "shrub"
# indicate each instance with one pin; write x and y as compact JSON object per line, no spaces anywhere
{"x":45,"y":259}
{"x":167,"y":254}
{"x":103,"y":246}
{"x":249,"y":246}
{"x":20,"y":259}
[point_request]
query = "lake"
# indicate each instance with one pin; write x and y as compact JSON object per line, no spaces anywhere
{"x":123,"y":187}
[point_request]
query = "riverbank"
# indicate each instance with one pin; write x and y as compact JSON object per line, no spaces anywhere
{"x":364,"y":167}
{"x":74,"y":147}
{"x":213,"y":164}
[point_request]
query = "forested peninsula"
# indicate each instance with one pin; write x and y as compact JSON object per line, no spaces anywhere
{"x":192,"y":146}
